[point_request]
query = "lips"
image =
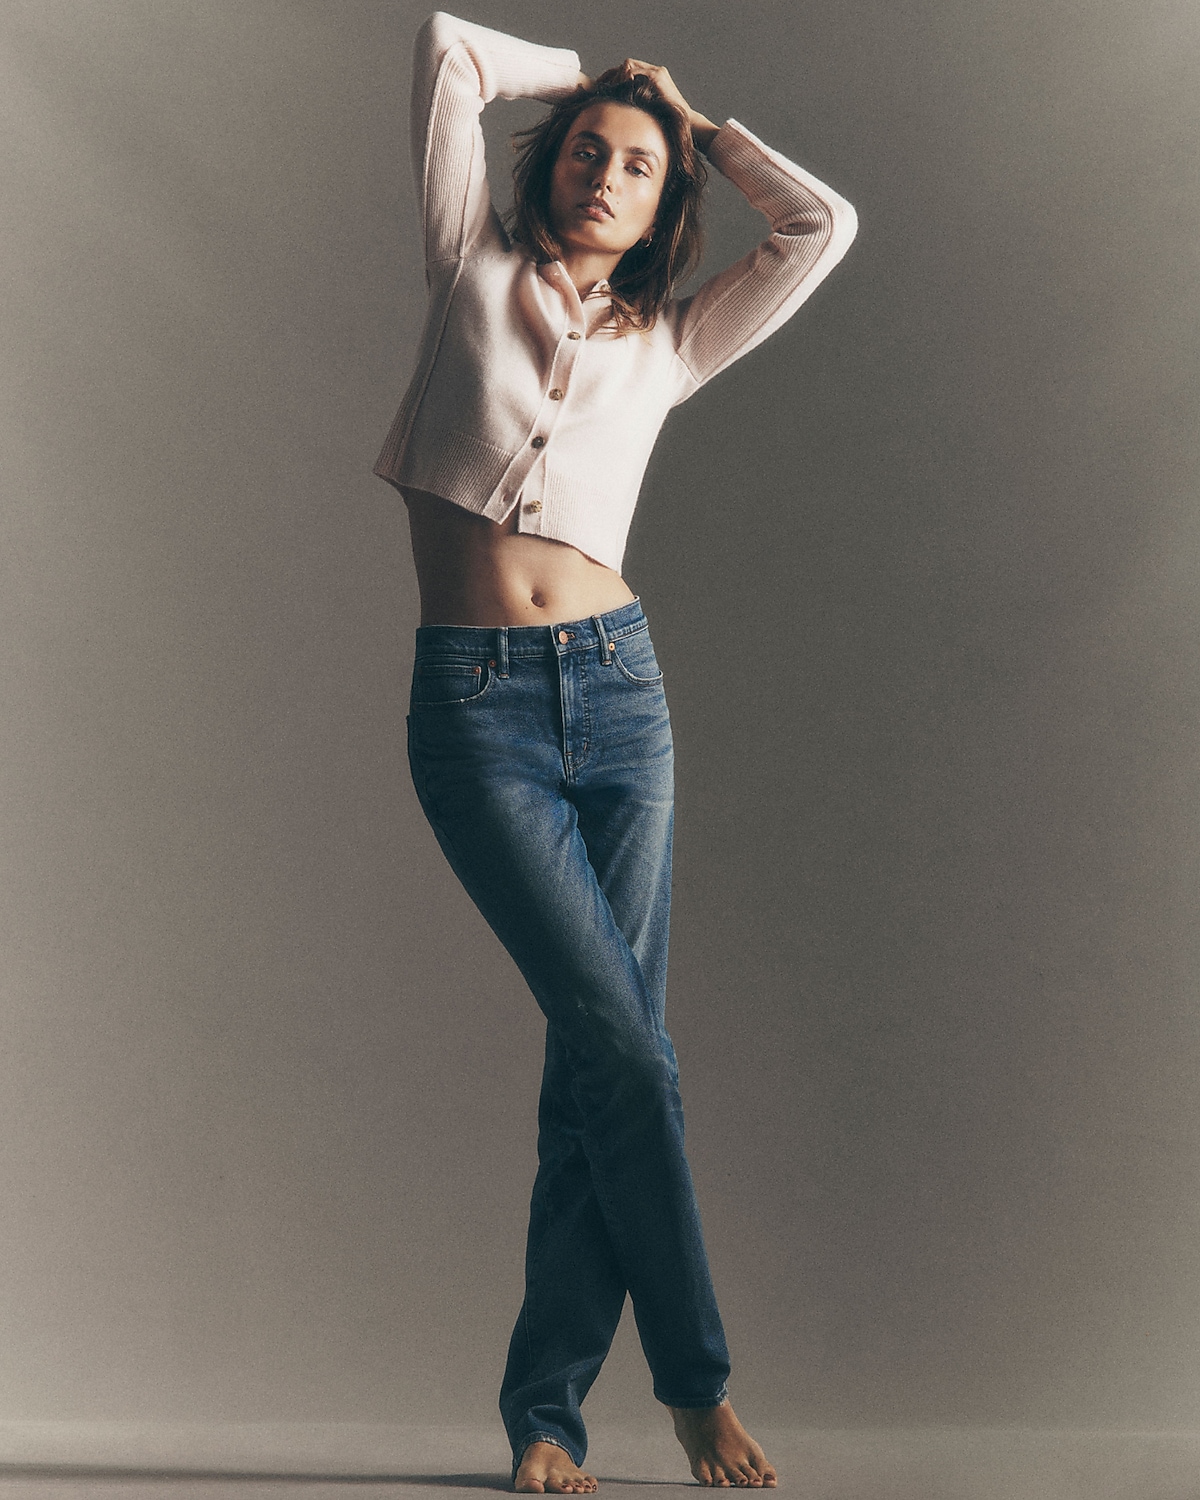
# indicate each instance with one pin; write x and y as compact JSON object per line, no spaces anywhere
{"x":596,"y":208}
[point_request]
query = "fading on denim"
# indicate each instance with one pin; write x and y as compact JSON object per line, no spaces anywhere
{"x":542,"y":758}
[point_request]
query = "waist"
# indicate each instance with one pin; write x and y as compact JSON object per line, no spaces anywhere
{"x":495,"y":642}
{"x":472,"y":570}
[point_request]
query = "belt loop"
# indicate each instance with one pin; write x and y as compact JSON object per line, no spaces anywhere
{"x":606,"y":646}
{"x":502,"y":650}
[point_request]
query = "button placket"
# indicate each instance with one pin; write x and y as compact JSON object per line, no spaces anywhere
{"x":523,"y":477}
{"x":559,"y":372}
{"x":558,"y":382}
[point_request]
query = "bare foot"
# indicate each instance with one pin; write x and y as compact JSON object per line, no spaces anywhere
{"x":549,"y":1470}
{"x":720,"y":1451}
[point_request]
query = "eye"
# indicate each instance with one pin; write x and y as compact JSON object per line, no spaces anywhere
{"x":640,"y":171}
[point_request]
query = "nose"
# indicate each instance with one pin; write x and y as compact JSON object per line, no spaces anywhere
{"x":601,"y":177}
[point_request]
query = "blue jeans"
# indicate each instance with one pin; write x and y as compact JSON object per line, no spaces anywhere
{"x":542,"y":758}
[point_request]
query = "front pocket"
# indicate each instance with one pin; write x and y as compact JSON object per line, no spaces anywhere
{"x":441,"y":684}
{"x":634,"y":654}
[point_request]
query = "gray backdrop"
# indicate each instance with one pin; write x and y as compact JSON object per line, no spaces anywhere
{"x":924,"y":571}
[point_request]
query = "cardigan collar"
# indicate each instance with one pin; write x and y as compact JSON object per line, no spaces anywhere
{"x":593,"y":308}
{"x":556,"y":273}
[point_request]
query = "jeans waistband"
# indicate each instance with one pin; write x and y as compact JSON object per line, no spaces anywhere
{"x":505,"y":641}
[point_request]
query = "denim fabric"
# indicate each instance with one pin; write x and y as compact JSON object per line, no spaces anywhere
{"x":542,"y":757}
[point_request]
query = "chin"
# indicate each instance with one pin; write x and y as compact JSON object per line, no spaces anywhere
{"x":606,"y":241}
{"x":592,"y":236}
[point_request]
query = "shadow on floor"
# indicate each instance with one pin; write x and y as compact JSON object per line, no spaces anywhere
{"x":247,"y":1476}
{"x":113,"y":1474}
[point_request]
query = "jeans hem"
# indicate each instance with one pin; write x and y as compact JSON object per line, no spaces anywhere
{"x":541,"y":1437}
{"x":692,"y":1404}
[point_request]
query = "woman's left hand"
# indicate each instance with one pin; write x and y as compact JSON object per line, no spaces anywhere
{"x":703,"y":128}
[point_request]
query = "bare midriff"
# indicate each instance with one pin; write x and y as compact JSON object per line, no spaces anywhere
{"x":472,"y":571}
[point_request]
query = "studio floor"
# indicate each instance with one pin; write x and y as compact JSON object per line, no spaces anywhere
{"x":348,"y":1463}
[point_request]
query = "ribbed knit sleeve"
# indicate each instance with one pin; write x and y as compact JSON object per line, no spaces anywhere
{"x":459,"y":67}
{"x":811,"y":229}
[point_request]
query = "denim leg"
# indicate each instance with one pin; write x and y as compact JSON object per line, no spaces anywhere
{"x":536,"y":840}
{"x":574,"y":1286}
{"x":575,"y":1290}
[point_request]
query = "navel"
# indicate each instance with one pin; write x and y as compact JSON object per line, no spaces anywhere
{"x":537,"y":599}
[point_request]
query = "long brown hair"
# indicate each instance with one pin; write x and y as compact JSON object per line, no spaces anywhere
{"x":645,"y":276}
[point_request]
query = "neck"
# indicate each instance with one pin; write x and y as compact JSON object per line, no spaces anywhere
{"x":586,"y":269}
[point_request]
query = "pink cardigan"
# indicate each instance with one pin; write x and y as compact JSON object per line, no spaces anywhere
{"x":522,"y":394}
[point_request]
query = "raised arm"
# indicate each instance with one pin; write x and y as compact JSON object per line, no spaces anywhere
{"x":811,"y":229}
{"x":459,"y":67}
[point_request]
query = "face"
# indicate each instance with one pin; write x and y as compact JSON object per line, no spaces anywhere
{"x":614,"y":155}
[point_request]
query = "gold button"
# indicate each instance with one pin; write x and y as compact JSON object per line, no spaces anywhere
{"x":539,"y":442}
{"x":534,"y":506}
{"x":563,"y":637}
{"x":574,"y":335}
{"x":556,"y":395}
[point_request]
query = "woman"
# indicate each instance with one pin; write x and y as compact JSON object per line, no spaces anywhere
{"x":538,"y":737}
